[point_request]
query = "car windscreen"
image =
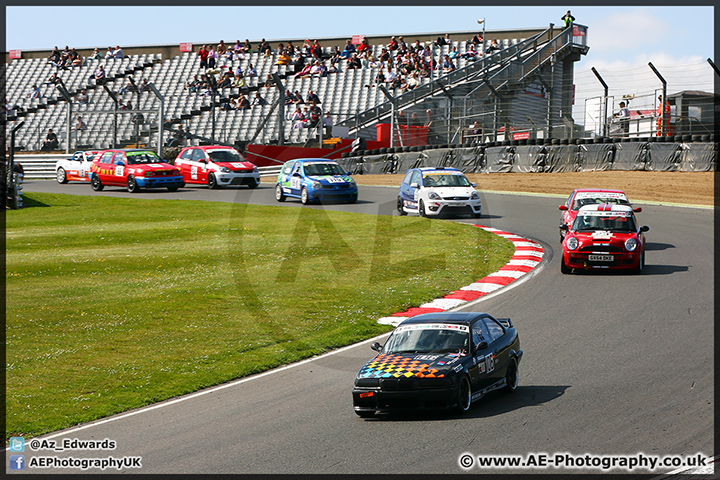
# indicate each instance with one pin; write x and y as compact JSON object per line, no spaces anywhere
{"x":613,"y":200}
{"x":225,"y":155}
{"x":319,"y":169}
{"x":445,"y":180}
{"x":427,"y":338}
{"x":610,"y":222}
{"x":138,"y":158}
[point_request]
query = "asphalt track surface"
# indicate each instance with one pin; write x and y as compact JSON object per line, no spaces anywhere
{"x":613,"y":365}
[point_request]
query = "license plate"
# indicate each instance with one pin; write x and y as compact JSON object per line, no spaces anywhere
{"x":601,"y":258}
{"x":456,"y":204}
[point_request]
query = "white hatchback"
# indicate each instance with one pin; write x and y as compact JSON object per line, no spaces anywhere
{"x":433,"y":191}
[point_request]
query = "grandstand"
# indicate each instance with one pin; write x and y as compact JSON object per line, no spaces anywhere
{"x":524,"y":88}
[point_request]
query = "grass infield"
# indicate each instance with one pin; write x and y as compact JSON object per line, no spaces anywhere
{"x":113,"y":304}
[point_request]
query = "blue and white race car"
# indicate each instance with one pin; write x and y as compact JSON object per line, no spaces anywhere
{"x":433,"y":191}
{"x":315,"y":180}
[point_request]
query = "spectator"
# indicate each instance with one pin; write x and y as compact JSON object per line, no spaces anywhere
{"x":392,"y":44}
{"x":258,"y":100}
{"x":318,"y":68}
{"x":412,"y":81}
{"x":34,"y":92}
{"x":316,"y":50}
{"x":312,"y":97}
{"x":109,"y":53}
{"x":75,"y":59}
{"x":211,"y":57}
{"x":290,"y":49}
{"x":128,"y":87}
{"x":443,"y":40}
{"x":193,"y":85}
{"x":453,"y":54}
{"x":243,"y":103}
{"x":178,"y":137}
{"x":297,"y":98}
{"x":289,"y":97}
{"x":297,"y":119}
{"x":622,"y":117}
{"x":305,"y":71}
{"x":263,"y":46}
{"x":470,"y":54}
{"x":82,"y":97}
{"x":80,"y":125}
{"x":354,"y":62}
{"x":221,"y":49}
{"x":51,"y":142}
{"x":247,"y":46}
{"x":494,"y":46}
{"x":96,"y":55}
{"x":284,"y":58}
{"x":328,"y":124}
{"x":250,"y":71}
{"x":568,"y":19}
{"x":225,"y":81}
{"x":143,"y":85}
{"x":477,"y":39}
{"x":348,"y":51}
{"x":99,"y":75}
{"x":203,"y":54}
{"x":364,"y":45}
{"x":54,"y":58}
{"x":118,"y":52}
{"x":52,"y":80}
{"x":448,"y":65}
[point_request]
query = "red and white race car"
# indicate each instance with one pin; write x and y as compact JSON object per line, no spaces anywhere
{"x":589,"y":196}
{"x":604,"y":236}
{"x":75,"y":168}
{"x":134,"y":169}
{"x":216,"y":166}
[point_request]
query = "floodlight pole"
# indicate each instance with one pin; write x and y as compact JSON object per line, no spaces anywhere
{"x":281,"y":117}
{"x":68,"y":133}
{"x":115,"y":114}
{"x":393,"y":103}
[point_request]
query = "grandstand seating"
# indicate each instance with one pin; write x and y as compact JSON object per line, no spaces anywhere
{"x":343,"y":94}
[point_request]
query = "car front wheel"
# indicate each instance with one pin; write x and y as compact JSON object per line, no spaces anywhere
{"x":61,"y":176}
{"x":132,"y":185}
{"x":400,"y":208}
{"x":304,"y":197}
{"x":212,"y":181}
{"x":279,"y":195}
{"x":464,"y":395}
{"x":421,"y":209}
{"x":95,"y":183}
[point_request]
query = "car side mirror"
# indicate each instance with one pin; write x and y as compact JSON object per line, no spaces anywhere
{"x":376,"y":346}
{"x":644,"y":228}
{"x":415,"y":185}
{"x":203,"y":161}
{"x":473,"y":184}
{"x":296,"y":174}
{"x":637,"y":209}
{"x":481,"y":346}
{"x":348,"y":173}
{"x":562,"y":207}
{"x":564,"y":227}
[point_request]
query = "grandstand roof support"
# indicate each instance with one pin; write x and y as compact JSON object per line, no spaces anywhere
{"x":115,"y":114}
{"x":393,"y":103}
{"x":64,"y":92}
{"x":605,"y":95}
{"x":281,"y":113}
{"x":161,"y":118}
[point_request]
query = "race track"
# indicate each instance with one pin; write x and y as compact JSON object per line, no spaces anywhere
{"x":613,"y":364}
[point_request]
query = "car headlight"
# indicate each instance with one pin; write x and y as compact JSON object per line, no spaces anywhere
{"x":475,"y":195}
{"x":225,"y":170}
{"x":572,"y":243}
{"x":433,"y":196}
{"x":255,"y":169}
{"x":316,"y":185}
{"x":630,"y":244}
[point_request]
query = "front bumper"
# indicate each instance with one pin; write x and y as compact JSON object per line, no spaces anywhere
{"x":439,"y":207}
{"x":620,"y":260}
{"x":333,"y":193}
{"x":153,"y":182}
{"x":250,"y":178}
{"x":378,"y":400}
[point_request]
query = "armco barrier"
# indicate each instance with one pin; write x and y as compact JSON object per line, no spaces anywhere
{"x":42,"y":167}
{"x":636,"y":155}
{"x":655,"y":156}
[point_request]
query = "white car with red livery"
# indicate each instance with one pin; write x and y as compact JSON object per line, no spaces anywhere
{"x":75,"y":168}
{"x":216,"y":166}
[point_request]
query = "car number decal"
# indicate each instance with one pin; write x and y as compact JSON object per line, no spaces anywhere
{"x":119,"y":170}
{"x":295,"y":183}
{"x":237,"y":165}
{"x":335,"y":180}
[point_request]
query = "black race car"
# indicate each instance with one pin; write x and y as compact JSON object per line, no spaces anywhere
{"x":439,"y":361}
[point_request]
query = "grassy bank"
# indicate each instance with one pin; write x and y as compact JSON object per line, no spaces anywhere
{"x":117,"y":303}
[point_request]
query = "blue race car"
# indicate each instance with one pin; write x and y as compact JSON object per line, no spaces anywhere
{"x":315,"y":180}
